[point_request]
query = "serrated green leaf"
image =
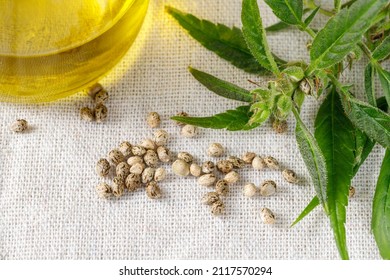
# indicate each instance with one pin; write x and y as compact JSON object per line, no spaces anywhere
{"x":222,"y":88}
{"x":369,"y":78}
{"x":364,"y":146}
{"x":289,"y":11}
{"x":310,"y":207}
{"x":372,"y":121}
{"x":380,"y":223}
{"x":255,"y":37}
{"x":313,"y":158}
{"x":277,"y":27}
{"x":342,"y":32}
{"x":228,"y":43}
{"x":335,"y":136}
{"x":384,"y":78}
{"x":310,"y":18}
{"x":383,"y":50}
{"x":232,"y":120}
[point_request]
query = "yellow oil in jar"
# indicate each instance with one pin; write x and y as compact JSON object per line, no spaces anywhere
{"x":50,"y":49}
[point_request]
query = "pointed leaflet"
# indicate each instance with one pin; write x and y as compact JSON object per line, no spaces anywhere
{"x":310,"y":18}
{"x":369,"y":78}
{"x":335,"y":136}
{"x":289,"y":11}
{"x":381,"y":209}
{"x":228,"y":43}
{"x":313,"y":158}
{"x":254,"y":35}
{"x":310,"y":207}
{"x":384,"y":78}
{"x":221,"y":87}
{"x":231,"y":120}
{"x":372,"y":121}
{"x":342,"y":33}
{"x":383,"y":50}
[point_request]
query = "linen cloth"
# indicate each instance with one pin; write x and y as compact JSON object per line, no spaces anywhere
{"x":48,"y":205}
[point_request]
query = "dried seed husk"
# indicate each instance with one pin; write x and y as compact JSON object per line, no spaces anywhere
{"x":208,"y":167}
{"x":217,"y":208}
{"x":187,"y":157}
{"x":160,"y":174}
{"x":268,"y":188}
{"x":134,"y":159}
{"x":224,"y":166}
{"x":122,"y":170}
{"x":103,"y":167}
{"x":153,"y":119}
{"x":215,"y":150}
{"x":116,"y":157}
{"x":207,"y":180}
{"x":210,"y":197}
{"x":195,"y":170}
{"x":189,"y":131}
{"x":248,"y":157}
{"x":181,"y":168}
{"x":258,"y":163}
{"x":19,"y":126}
{"x":271,"y":162}
{"x":151,"y":158}
{"x":103,"y":190}
{"x":237,"y":162}
{"x":249,"y":190}
{"x":87,"y":114}
{"x":161,"y":137}
{"x":148,"y":175}
{"x":125,"y":148}
{"x":153,"y":191}
{"x":280,"y":126}
{"x":267,"y":216}
{"x":222,"y":187}
{"x":164,"y":154}
{"x":290,"y":176}
{"x":133,"y":181}
{"x":232,"y":177}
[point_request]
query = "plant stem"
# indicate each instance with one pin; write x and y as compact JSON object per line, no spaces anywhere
{"x":310,"y":31}
{"x":337,"y":5}
{"x":366,"y":50}
{"x":348,"y":4}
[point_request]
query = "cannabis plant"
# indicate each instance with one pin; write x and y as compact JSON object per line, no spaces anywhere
{"x":346,"y":128}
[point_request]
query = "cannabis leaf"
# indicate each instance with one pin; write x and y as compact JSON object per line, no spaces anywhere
{"x":254,"y":35}
{"x":289,"y":11}
{"x":310,"y":207}
{"x":372,"y":121}
{"x":384,"y":78}
{"x":369,"y":76}
{"x":342,"y":33}
{"x":335,"y":136}
{"x":220,"y":87}
{"x":383,"y":50}
{"x":231,"y":120}
{"x":228,"y":43}
{"x":310,"y":18}
{"x":277,"y":27}
{"x":313,"y":158}
{"x":381,"y":209}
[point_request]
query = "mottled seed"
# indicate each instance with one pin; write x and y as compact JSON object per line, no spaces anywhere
{"x":94,"y":89}
{"x":185,"y":156}
{"x":237,"y":162}
{"x":222,"y":187}
{"x":249,"y":190}
{"x":232,"y":177}
{"x":267,"y":216}
{"x":138,"y":150}
{"x":163,"y":154}
{"x":195,"y":170}
{"x":125,"y":148}
{"x":101,"y":113}
{"x":160,"y":174}
{"x":189,"y":131}
{"x":116,"y":157}
{"x":268,"y":188}
{"x":86,"y":114}
{"x":151,"y":158}
{"x":215,"y":150}
{"x":122,"y":170}
{"x":217,"y":208}
{"x":103,"y":190}
{"x":258,"y":163}
{"x":153,"y":191}
{"x":137,"y":168}
{"x":148,"y":144}
{"x":19,"y":126}
{"x":248,"y":157}
{"x":133,"y":181}
{"x":181,"y":168}
{"x":103,"y":167}
{"x":134,"y":159}
{"x":101,"y":96}
{"x":118,"y":187}
{"x":224,"y":166}
{"x":153,"y":119}
{"x":290,"y":176}
{"x":210,"y":197}
{"x":208,"y":167}
{"x":207,"y":180}
{"x":147,"y":175}
{"x":271,"y":162}
{"x":161,"y":137}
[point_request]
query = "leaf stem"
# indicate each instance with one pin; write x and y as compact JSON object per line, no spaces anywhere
{"x":337,"y":5}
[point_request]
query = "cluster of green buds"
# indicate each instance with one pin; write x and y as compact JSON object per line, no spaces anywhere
{"x":277,"y":100}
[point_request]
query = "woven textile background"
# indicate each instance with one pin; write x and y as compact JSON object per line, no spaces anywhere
{"x":48,"y":205}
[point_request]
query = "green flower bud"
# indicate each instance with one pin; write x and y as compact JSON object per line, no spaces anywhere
{"x":299,"y":97}
{"x":295,"y":73}
{"x":283,"y":107}
{"x":259,"y":116}
{"x":262,"y":94}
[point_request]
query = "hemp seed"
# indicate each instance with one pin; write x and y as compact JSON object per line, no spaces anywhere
{"x":137,"y":168}
{"x":210,"y":197}
{"x":217,"y":208}
{"x":290,"y":176}
{"x":268,"y":188}
{"x":138,"y":150}
{"x":248,"y":157}
{"x":133,"y":181}
{"x":163,"y":154}
{"x":207,"y":180}
{"x":151,"y":158}
{"x":161,"y":137}
{"x":188,"y":158}
{"x":267,"y":216}
{"x":258,"y":163}
{"x":195,"y":170}
{"x":101,"y":113}
{"x":181,"y":168}
{"x":94,"y":89}
{"x":153,"y":191}
{"x":181,"y":114}
{"x":351,"y":192}
{"x":134,"y":159}
{"x":224,"y":166}
{"x":249,"y":190}
{"x":19,"y":125}
{"x":232,"y":177}
{"x":147,"y":175}
{"x":222,"y":187}
{"x":103,"y":190}
{"x":153,"y":119}
{"x":116,"y":156}
{"x":237,"y":162}
{"x":189,"y":131}
{"x":102,"y":167}
{"x":87,"y":114}
{"x":122,"y":170}
{"x":160,"y":174}
{"x":215,"y":150}
{"x":271,"y":162}
{"x":148,"y":144}
{"x":125,"y":148}
{"x":208,"y":167}
{"x":101,"y":96}
{"x":118,"y":187}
